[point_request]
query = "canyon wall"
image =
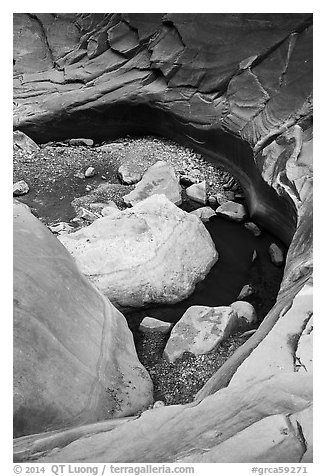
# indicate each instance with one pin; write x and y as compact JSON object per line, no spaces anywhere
{"x":238,"y":89}
{"x":224,"y":84}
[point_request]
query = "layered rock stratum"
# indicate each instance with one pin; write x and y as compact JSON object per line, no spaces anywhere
{"x":74,"y":357}
{"x":238,"y":89}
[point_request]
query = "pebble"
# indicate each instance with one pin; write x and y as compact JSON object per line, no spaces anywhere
{"x":150,"y":324}
{"x":254,"y":256}
{"x":90,"y":172}
{"x":246,"y":291}
{"x":204,"y":213}
{"x":60,"y":228}
{"x":276,"y":254}
{"x":87,"y":142}
{"x":253,"y":228}
{"x":197,"y":192}
{"x":232,"y":211}
{"x":20,"y":188}
{"x":212,"y":201}
{"x":158,"y":404}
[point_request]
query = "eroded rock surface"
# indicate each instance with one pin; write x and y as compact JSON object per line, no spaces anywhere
{"x":151,"y":253}
{"x":74,"y":356}
{"x":176,"y":76}
{"x":200,"y":430}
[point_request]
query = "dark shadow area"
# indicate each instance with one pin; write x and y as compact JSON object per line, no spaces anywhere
{"x":234,"y":269}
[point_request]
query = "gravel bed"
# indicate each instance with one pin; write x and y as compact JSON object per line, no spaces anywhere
{"x":55,"y":173}
{"x":178,"y":382}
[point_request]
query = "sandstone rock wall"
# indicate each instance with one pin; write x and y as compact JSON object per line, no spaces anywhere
{"x":196,"y":78}
{"x":74,"y":356}
{"x":238,"y":89}
{"x":195,"y":432}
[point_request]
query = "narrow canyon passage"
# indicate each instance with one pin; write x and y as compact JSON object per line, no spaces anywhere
{"x":173,"y":326}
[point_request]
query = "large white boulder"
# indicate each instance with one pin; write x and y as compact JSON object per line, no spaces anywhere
{"x":74,"y":357}
{"x":151,"y":253}
{"x":200,"y":330}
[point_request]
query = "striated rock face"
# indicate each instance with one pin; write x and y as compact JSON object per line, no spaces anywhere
{"x":214,"y":430}
{"x":238,"y":89}
{"x":290,"y":155}
{"x":74,"y":356}
{"x":173,"y":75}
{"x":277,"y":352}
{"x":153,"y":252}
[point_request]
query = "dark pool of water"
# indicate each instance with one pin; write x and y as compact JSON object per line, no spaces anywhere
{"x":234,"y":268}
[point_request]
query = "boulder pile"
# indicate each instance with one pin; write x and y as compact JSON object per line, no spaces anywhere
{"x":151,"y":253}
